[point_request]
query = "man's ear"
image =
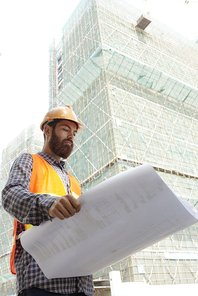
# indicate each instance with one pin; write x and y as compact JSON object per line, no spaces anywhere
{"x":47,"y":130}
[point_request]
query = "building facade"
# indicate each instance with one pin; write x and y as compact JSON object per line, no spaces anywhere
{"x":134,"y":87}
{"x":30,"y":140}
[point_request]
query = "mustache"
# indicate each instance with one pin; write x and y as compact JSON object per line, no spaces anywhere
{"x":68,"y":140}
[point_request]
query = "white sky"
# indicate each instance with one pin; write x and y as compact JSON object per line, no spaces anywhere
{"x":27,"y":29}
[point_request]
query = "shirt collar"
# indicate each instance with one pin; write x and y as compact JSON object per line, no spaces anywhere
{"x":52,"y":160}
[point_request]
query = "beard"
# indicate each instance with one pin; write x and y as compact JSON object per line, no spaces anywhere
{"x":60,"y":148}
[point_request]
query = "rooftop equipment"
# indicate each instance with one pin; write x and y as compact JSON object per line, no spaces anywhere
{"x":143,"y":22}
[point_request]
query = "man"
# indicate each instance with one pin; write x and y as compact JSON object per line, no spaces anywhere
{"x":30,"y":196}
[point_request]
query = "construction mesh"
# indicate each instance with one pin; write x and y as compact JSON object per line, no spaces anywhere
{"x":136,"y":93}
{"x":30,"y":140}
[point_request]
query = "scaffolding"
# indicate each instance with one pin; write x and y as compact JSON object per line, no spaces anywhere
{"x":136,"y":93}
{"x":29,"y":140}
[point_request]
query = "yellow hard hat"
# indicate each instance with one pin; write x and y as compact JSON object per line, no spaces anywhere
{"x":62,"y":112}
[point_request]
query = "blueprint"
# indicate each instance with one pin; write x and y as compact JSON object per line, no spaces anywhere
{"x":118,"y":217}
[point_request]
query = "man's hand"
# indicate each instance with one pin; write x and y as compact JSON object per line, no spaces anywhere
{"x":64,"y":207}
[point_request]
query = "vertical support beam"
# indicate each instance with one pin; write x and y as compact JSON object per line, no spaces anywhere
{"x":54,"y":72}
{"x":115,"y":283}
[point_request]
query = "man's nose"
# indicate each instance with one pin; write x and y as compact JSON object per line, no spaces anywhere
{"x":71,"y":136}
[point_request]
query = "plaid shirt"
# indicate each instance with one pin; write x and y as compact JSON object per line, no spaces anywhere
{"x":31,"y":208}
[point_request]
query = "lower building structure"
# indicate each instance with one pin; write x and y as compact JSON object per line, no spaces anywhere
{"x":29,"y":140}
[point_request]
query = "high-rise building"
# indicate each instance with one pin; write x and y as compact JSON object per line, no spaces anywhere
{"x":134,"y":84}
{"x":30,"y":140}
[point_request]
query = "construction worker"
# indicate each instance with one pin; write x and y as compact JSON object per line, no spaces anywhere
{"x":39,"y":188}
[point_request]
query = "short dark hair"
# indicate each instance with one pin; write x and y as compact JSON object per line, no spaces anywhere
{"x":52,"y":124}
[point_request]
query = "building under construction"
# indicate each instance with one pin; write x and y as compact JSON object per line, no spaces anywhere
{"x":134,"y":85}
{"x":30,"y":140}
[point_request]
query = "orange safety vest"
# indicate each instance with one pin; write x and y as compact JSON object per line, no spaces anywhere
{"x":44,"y":180}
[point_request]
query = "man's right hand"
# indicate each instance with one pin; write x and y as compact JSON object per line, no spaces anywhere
{"x":64,"y":207}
